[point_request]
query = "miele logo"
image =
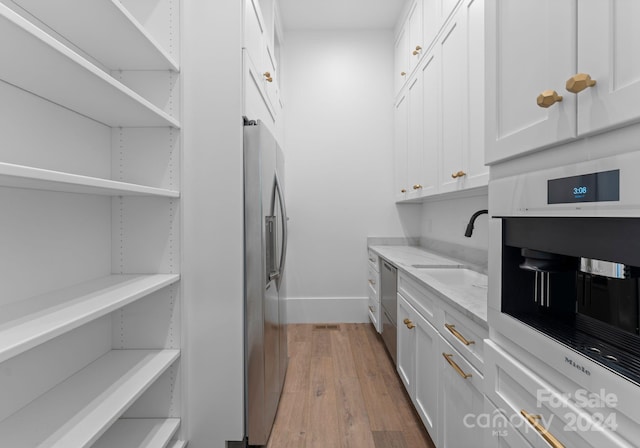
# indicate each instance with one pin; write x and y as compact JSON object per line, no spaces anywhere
{"x":577,"y":366}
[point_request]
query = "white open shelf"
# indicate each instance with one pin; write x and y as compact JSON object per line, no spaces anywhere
{"x":91,"y":27}
{"x":139,"y":433}
{"x":34,"y":61}
{"x":19,"y":176}
{"x":28,"y":323}
{"x":79,"y":410}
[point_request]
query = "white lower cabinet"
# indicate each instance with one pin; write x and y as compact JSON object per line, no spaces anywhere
{"x":443,"y":382}
{"x":500,"y":432}
{"x":542,"y":414}
{"x":460,"y":400}
{"x":417,"y":352}
{"x":426,"y":375}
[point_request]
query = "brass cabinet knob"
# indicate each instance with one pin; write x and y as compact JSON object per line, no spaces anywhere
{"x":403,"y":73}
{"x":406,"y":321}
{"x":403,"y":191}
{"x":548,"y":98}
{"x":417,"y":187}
{"x":458,"y":174}
{"x":417,"y":50}
{"x":268,"y":77}
{"x":410,"y":326}
{"x":577,"y":83}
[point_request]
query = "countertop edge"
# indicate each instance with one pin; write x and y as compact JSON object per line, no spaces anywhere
{"x":480,"y":320}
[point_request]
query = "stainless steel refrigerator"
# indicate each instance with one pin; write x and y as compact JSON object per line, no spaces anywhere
{"x":265,"y":220}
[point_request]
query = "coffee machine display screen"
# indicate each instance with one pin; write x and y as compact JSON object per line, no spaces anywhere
{"x":594,"y":187}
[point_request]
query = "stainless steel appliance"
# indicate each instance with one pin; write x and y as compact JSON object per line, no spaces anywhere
{"x":389,"y":301}
{"x":265,"y":229}
{"x":567,"y":259}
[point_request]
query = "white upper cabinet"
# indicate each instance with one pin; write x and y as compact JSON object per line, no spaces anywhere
{"x":608,"y":49}
{"x":542,"y":60}
{"x":453,"y":52}
{"x":416,"y":44}
{"x":462,"y":50}
{"x":431,"y":20}
{"x":400,"y":148}
{"x":401,"y":72}
{"x":262,"y":46}
{"x":431,"y":124}
{"x":530,"y":49}
{"x":444,"y":115}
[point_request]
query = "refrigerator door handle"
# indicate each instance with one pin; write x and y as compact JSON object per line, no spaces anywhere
{"x":285,"y":231}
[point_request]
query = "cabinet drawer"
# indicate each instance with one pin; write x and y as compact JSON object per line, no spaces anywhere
{"x":374,"y":261}
{"x":514,"y":389}
{"x":374,"y":312}
{"x":465,"y":335}
{"x":373,"y":282}
{"x":418,"y":296}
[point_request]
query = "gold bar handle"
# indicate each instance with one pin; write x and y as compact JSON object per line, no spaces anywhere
{"x":455,"y":366}
{"x":456,"y":333}
{"x":546,"y":435}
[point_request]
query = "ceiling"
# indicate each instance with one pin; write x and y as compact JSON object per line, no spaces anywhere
{"x":339,"y":14}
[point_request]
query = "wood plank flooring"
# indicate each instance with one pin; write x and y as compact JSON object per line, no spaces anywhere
{"x":342,"y":391}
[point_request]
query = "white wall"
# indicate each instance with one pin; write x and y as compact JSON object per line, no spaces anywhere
{"x":447,"y":221}
{"x":338,"y":97}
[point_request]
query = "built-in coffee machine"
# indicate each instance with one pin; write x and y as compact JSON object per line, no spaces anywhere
{"x":569,"y":257}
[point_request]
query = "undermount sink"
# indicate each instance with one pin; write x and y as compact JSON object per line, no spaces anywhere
{"x":458,"y":277}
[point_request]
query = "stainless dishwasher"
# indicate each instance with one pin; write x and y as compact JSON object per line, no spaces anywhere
{"x":389,"y":300}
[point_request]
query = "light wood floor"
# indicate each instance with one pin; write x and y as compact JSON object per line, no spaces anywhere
{"x":342,"y":390}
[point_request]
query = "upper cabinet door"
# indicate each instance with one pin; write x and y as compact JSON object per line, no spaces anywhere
{"x":416,"y":44}
{"x":400,"y":147}
{"x":453,"y":51}
{"x":608,"y":51}
{"x":477,"y":174}
{"x":530,"y":48}
{"x":431,"y":20}
{"x":401,"y":73}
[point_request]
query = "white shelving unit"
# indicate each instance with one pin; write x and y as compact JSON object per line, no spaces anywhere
{"x":90,"y":311}
{"x":18,"y":176}
{"x":28,"y":323}
{"x":98,"y":39}
{"x":78,"y":411}
{"x":45,"y":67}
{"x":139,"y":432}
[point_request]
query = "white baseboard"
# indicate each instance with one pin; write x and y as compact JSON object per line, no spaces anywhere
{"x":316,"y":310}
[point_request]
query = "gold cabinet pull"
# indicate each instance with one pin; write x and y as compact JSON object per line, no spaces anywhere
{"x":580,"y":81}
{"x":417,"y":50}
{"x":458,"y":174}
{"x":403,"y":73}
{"x":455,"y":366}
{"x":548,"y":98}
{"x":410,"y":326}
{"x":417,"y":187}
{"x":456,"y":333}
{"x":268,"y":77}
{"x":546,"y":435}
{"x":403,"y":191}
{"x":406,"y":321}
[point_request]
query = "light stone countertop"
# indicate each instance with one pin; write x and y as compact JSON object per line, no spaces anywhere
{"x":468,"y":297}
